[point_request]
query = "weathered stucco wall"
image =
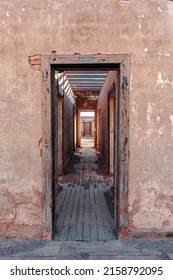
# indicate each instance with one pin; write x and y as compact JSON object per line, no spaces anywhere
{"x":68,"y":128}
{"x":103,"y":118}
{"x":142,"y":29}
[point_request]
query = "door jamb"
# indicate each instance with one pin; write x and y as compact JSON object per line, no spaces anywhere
{"x":48,"y":64}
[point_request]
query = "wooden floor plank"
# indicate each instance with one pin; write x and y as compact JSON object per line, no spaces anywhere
{"x":74,"y":218}
{"x":67,"y":218}
{"x":80,"y":221}
{"x":100,"y":224}
{"x":60,"y":201}
{"x":94,"y":234}
{"x":60,"y":220}
{"x":86,"y":227}
{"x":107,"y":219}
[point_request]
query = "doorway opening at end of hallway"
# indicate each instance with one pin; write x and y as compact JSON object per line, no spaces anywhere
{"x":87,"y":129}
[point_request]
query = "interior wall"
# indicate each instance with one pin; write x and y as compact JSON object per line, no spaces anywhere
{"x":103,"y":131}
{"x":60,"y":135}
{"x":66,"y":122}
{"x":68,"y":129}
{"x":142,"y":29}
{"x":111,"y":132}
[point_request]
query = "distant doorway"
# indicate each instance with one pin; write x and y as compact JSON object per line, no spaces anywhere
{"x":87,"y":128}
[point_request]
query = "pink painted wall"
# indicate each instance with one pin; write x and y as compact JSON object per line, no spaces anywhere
{"x":142,"y":29}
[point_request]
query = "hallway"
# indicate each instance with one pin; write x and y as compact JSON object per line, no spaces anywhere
{"x":84,"y":201}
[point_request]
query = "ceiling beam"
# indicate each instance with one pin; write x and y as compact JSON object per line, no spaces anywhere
{"x":87,"y":84}
{"x":90,"y":72}
{"x":86,"y":89}
{"x":86,"y":79}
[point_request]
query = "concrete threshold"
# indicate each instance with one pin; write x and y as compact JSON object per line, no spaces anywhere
{"x":87,"y":250}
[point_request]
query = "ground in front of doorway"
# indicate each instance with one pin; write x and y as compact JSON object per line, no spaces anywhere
{"x":16,"y":248}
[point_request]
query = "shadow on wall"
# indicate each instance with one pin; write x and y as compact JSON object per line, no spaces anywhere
{"x":64,"y":87}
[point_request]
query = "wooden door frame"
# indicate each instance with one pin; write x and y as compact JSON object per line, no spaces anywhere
{"x":118,"y":62}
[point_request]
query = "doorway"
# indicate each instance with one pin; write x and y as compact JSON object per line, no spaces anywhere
{"x":84,"y":62}
{"x":87,"y":128}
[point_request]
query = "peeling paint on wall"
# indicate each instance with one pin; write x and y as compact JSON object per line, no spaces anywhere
{"x":149,"y":120}
{"x":162,"y":82}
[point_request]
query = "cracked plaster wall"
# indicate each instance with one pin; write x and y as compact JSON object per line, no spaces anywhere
{"x":142,"y":29}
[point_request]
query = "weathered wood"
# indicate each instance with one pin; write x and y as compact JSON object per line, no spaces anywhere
{"x":62,"y":217}
{"x":94,"y":234}
{"x":85,"y":59}
{"x":67,"y":220}
{"x":108,"y":221}
{"x":60,"y":202}
{"x":47,"y":150}
{"x":87,"y":223}
{"x":100,"y":225}
{"x":75,"y":214}
{"x":123,"y":148}
{"x":79,"y":228}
